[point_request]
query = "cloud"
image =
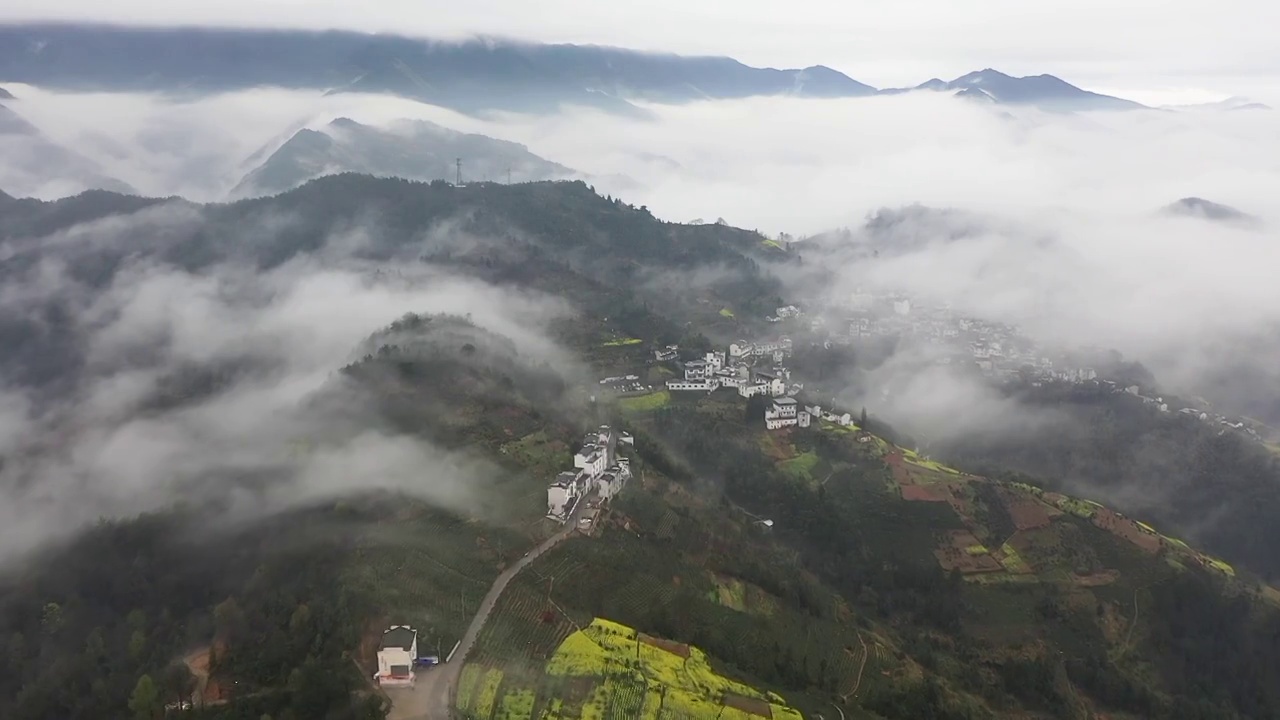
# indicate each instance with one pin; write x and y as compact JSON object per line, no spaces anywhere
{"x":263,"y":421}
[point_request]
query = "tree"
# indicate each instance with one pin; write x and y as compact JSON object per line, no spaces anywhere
{"x":178,"y":681}
{"x":862,"y":418}
{"x":145,"y":700}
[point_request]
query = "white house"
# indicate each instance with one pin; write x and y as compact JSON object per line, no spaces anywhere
{"x":397,"y":654}
{"x":803,"y":418}
{"x":715,"y":361}
{"x":747,"y":390}
{"x":668,"y":353}
{"x":783,"y":413}
{"x":697,"y":370}
{"x":563,"y":495}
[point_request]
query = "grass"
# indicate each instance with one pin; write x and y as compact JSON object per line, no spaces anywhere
{"x":800,"y":467}
{"x":1012,"y":561}
{"x":771,"y":243}
{"x":914,"y":458}
{"x":729,"y":592}
{"x":726,"y":312}
{"x":620,"y":342}
{"x":645,"y":403}
{"x":1219,"y":565}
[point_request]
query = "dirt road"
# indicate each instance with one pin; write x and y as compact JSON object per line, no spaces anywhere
{"x":432,"y":694}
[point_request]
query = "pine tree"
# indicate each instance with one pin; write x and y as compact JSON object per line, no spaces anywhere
{"x":145,"y":700}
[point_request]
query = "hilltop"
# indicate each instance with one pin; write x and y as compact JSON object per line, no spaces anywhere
{"x":410,"y":149}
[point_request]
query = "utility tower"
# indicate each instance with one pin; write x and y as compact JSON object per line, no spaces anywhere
{"x":458,"y":181}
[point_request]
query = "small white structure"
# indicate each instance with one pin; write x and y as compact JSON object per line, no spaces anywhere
{"x":804,"y":418}
{"x":397,"y":654}
{"x":705,"y":385}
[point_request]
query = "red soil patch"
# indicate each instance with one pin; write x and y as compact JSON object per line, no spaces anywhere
{"x":1027,"y":513}
{"x":1127,"y":529}
{"x":674,"y":648}
{"x":922,"y":493}
{"x":1102,"y":577}
{"x":748,"y":705}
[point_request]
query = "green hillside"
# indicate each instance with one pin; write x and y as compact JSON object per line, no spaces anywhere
{"x":824,"y":571}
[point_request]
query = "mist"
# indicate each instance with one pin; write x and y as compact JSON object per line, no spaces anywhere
{"x":271,"y":424}
{"x":1056,"y":225}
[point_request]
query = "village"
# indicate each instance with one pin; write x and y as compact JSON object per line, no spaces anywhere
{"x":999,"y":351}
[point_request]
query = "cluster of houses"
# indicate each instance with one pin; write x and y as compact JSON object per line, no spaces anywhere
{"x":1160,"y":405}
{"x":598,"y":470}
{"x":787,"y":412}
{"x":750,"y":368}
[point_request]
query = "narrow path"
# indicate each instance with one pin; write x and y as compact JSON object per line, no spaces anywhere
{"x":857,"y":683}
{"x":431,"y":698}
{"x":1128,"y":638}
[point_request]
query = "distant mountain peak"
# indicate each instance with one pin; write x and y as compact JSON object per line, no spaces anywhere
{"x":1199,"y":207}
{"x":1044,"y":91}
{"x":6,"y":95}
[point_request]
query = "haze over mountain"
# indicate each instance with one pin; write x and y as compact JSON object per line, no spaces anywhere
{"x":411,"y":149}
{"x":1043,"y":91}
{"x":473,"y":75}
{"x":33,"y":165}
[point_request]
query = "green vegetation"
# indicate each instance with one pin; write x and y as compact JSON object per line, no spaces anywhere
{"x":621,"y":342}
{"x":800,"y":467}
{"x":645,"y":403}
{"x":726,"y":312}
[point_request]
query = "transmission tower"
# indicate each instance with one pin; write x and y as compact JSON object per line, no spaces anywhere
{"x":458,"y":182}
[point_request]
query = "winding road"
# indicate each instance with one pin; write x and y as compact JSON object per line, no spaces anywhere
{"x":432,"y":694}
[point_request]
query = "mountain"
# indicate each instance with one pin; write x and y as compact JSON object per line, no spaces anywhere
{"x":1205,"y":209}
{"x":6,"y":95}
{"x":1043,"y":91}
{"x":411,"y":149}
{"x":472,"y":76}
{"x":1231,"y":103}
{"x":35,"y":165}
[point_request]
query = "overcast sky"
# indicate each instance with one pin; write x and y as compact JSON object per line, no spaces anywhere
{"x":1153,"y":50}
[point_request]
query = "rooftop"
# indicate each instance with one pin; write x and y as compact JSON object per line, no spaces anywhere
{"x":398,"y":636}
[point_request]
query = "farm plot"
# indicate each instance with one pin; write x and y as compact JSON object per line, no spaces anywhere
{"x":960,"y":550}
{"x":641,"y":676}
{"x":523,"y":625}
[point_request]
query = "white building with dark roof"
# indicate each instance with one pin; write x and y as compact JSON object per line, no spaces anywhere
{"x":397,"y":655}
{"x":598,"y":470}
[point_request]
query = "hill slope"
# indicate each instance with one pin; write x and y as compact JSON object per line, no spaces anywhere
{"x":884,"y":584}
{"x":411,"y":149}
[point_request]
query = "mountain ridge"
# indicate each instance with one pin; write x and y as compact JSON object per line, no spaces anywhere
{"x":472,"y":75}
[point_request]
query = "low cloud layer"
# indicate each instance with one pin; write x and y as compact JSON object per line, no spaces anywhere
{"x":202,"y":388}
